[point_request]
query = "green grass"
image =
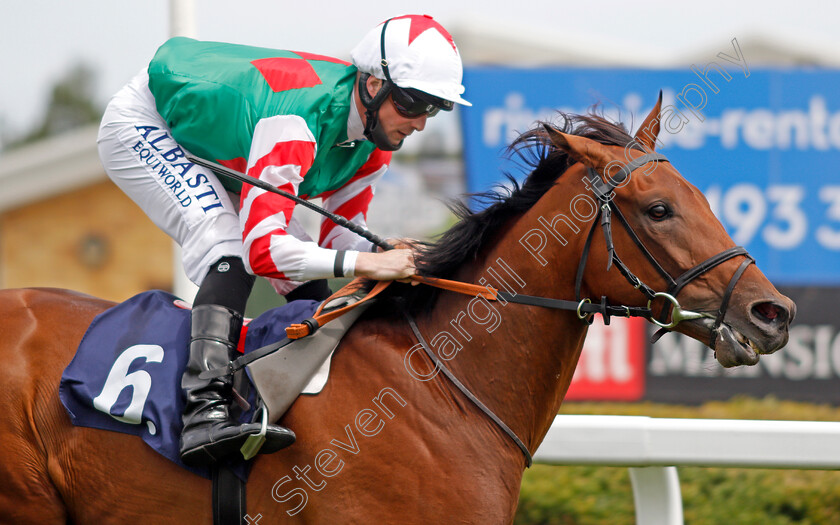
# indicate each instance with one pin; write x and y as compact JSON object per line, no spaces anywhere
{"x":583,"y":495}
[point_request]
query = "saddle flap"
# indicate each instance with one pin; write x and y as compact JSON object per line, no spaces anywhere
{"x":281,"y":376}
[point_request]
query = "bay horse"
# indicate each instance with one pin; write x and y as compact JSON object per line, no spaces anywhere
{"x":389,"y":439}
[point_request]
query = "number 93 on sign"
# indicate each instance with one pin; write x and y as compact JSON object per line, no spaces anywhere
{"x":783,"y":217}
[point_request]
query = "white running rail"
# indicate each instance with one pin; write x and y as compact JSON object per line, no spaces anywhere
{"x":654,"y":447}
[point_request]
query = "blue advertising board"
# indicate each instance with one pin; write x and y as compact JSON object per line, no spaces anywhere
{"x":763,"y":145}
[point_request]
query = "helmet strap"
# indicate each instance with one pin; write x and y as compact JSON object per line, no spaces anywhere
{"x":373,"y":129}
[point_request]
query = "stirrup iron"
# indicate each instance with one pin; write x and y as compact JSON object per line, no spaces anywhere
{"x":254,"y":442}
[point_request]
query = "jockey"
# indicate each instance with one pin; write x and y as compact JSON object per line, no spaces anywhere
{"x":309,"y":124}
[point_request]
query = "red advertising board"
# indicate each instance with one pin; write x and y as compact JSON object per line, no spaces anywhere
{"x":612,"y":364}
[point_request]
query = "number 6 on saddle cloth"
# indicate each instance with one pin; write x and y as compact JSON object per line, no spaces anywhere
{"x":125,"y":375}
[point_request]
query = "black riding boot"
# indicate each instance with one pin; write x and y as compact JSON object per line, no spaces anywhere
{"x":210,"y":433}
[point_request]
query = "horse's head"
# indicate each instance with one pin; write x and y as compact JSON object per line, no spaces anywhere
{"x":664,"y":232}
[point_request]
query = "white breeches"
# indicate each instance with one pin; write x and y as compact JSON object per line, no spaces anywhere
{"x":184,"y":200}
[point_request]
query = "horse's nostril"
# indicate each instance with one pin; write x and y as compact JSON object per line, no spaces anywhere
{"x":770,"y":312}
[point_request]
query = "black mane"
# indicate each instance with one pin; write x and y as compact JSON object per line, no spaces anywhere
{"x":534,"y":151}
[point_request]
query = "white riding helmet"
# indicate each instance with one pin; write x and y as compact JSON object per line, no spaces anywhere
{"x":420,"y":54}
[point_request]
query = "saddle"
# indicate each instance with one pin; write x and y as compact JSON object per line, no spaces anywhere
{"x":300,"y":363}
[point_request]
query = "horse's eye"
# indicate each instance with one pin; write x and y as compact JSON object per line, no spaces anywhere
{"x":659,"y":212}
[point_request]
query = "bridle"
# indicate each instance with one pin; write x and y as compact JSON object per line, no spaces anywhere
{"x":605,"y":193}
{"x":585,"y":308}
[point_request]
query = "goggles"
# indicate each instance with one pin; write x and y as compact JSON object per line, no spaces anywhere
{"x":411,"y":103}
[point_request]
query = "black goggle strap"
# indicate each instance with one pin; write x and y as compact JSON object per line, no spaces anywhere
{"x":390,"y":83}
{"x":372,"y":104}
{"x":384,"y":61}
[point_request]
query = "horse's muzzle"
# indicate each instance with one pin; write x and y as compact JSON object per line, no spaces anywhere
{"x":761,"y":329}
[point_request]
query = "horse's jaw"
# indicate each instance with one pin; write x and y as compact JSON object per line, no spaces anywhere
{"x":732,"y":348}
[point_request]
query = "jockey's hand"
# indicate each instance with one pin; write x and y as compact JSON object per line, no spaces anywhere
{"x":397,"y":264}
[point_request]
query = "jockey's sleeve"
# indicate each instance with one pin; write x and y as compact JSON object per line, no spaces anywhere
{"x":351,"y":201}
{"x":282,"y":151}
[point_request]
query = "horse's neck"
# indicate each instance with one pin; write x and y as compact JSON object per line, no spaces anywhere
{"x":518,"y":360}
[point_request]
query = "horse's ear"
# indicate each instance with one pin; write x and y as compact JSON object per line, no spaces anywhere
{"x":649,"y":130}
{"x":557,"y":138}
{"x":582,"y":149}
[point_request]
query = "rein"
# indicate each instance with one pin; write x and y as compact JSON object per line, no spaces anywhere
{"x":585,"y":308}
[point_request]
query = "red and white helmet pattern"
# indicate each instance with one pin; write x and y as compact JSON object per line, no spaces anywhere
{"x":421,"y":54}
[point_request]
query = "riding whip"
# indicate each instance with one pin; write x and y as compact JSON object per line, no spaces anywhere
{"x":241,"y":177}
